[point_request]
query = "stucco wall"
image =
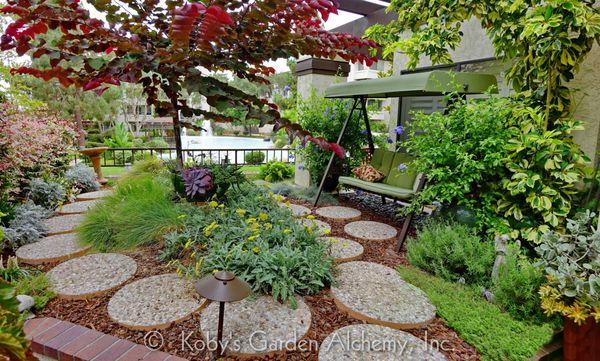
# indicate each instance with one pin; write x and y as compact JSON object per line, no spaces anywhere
{"x":319,"y":82}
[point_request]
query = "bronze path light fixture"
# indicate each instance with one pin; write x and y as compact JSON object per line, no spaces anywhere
{"x":222,"y":287}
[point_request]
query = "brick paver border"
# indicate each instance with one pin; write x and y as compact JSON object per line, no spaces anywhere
{"x":67,"y":341}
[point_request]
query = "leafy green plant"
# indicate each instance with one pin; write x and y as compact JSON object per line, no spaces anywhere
{"x":572,"y":264}
{"x":47,"y":194}
{"x":452,"y":251}
{"x":11,"y":271}
{"x":495,"y":334}
{"x":463,"y":155}
{"x":139,"y":212}
{"x":517,"y":286}
{"x":256,"y":239}
{"x":36,"y":285}
{"x":120,"y":138}
{"x":275,"y":171}
{"x":304,"y":193}
{"x":254,"y":157}
{"x":12,"y":338}
{"x":324,"y":118}
{"x":82,"y":177}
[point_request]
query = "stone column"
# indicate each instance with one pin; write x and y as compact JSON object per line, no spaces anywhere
{"x":317,"y":74}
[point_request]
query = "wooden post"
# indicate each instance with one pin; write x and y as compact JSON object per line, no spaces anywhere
{"x":356,"y":100}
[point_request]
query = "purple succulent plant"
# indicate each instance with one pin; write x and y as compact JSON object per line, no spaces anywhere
{"x":198,"y":181}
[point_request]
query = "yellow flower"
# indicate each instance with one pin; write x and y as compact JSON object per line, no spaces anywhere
{"x":268,"y":226}
{"x":181,"y":216}
{"x":345,"y":244}
{"x":240,"y":212}
{"x":255,"y":249}
{"x":326,"y":232}
{"x":213,"y":204}
{"x":251,"y":220}
{"x":263,"y":216}
{"x":287,"y":204}
{"x":210,"y":228}
{"x":578,"y":313}
{"x":251,"y":238}
{"x":221,"y":205}
{"x":215,"y":270}
{"x":287,"y":231}
{"x":596,"y":314}
{"x":310,"y":216}
{"x":279,"y":198}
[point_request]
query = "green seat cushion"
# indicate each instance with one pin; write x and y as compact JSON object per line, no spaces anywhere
{"x":386,"y":162}
{"x":401,"y":179}
{"x":378,"y":188}
{"x":377,"y":157}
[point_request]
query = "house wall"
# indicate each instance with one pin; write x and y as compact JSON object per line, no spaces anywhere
{"x":476,"y":45}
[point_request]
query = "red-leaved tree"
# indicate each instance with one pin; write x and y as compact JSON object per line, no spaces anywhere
{"x":174,"y":46}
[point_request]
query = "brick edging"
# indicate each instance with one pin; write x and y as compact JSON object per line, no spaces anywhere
{"x":63,"y":340}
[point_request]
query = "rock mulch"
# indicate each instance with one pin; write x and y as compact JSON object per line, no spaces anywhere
{"x":52,"y":249}
{"x":77,"y":207}
{"x":373,"y":342}
{"x":94,"y":195}
{"x":377,"y":294}
{"x":154,"y":302}
{"x":257,"y":327}
{"x":343,"y":249}
{"x":91,"y":275}
{"x":339,"y":213}
{"x":63,"y":224}
{"x":370,"y":231}
{"x":296,"y":209}
{"x":319,"y":227}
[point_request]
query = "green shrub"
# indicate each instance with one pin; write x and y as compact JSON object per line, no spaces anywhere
{"x":275,"y":171}
{"x":82,"y":177}
{"x":47,"y":194}
{"x":256,"y":239}
{"x":12,"y":271}
{"x":254,"y":157}
{"x":495,"y":334}
{"x":517,"y":286}
{"x":13,"y":342}
{"x":324,"y":118}
{"x":139,"y":212}
{"x":37,"y":286}
{"x":452,"y":251}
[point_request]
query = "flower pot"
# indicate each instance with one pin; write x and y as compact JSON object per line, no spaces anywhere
{"x":581,"y":342}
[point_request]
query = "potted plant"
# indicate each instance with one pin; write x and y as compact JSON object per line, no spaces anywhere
{"x":572,"y":264}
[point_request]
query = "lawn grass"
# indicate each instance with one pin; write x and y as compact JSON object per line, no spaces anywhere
{"x":495,"y":334}
{"x":112,"y":171}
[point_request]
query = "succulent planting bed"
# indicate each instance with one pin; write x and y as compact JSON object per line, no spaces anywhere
{"x":324,"y":316}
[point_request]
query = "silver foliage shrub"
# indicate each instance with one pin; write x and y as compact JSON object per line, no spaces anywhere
{"x":47,"y":194}
{"x":82,"y":177}
{"x":27,"y":226}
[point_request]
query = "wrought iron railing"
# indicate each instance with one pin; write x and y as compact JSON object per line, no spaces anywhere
{"x":120,"y":157}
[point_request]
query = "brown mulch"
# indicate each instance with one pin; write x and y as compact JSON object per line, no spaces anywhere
{"x":326,"y":317}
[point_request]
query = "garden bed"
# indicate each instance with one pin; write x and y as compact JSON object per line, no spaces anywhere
{"x":326,"y":317}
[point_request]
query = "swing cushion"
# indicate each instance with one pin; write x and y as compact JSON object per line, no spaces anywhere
{"x":397,"y":183}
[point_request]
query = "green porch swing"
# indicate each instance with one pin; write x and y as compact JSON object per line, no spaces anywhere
{"x":399,"y":185}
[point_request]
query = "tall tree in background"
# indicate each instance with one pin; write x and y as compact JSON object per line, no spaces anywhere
{"x":175,"y":46}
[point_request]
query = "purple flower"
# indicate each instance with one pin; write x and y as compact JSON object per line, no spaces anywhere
{"x":390,"y":140}
{"x":300,"y":166}
{"x":290,"y":156}
{"x":399,"y":130}
{"x":402,"y":167}
{"x":286,"y":88}
{"x":326,"y":112}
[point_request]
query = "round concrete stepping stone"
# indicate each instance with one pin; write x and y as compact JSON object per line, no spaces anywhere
{"x":257,"y":326}
{"x":52,"y":249}
{"x":319,"y":227}
{"x":155,"y":302}
{"x":342,"y":249}
{"x":339,"y":213}
{"x":77,"y":207}
{"x":63,"y":224}
{"x":370,"y":231}
{"x":376,"y":343}
{"x":91,"y":275}
{"x":296,"y":209}
{"x":376,"y":294}
{"x":94,"y":195}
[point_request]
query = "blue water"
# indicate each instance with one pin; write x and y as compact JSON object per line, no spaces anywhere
{"x":216,"y":142}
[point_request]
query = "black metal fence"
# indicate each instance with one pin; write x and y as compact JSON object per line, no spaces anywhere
{"x":120,"y":157}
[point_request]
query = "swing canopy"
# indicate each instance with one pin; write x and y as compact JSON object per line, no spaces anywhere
{"x":430,"y":83}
